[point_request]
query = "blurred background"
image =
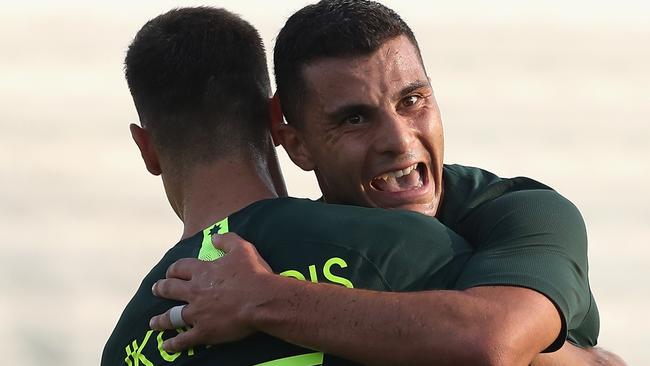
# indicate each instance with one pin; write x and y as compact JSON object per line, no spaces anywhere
{"x":557,"y":90}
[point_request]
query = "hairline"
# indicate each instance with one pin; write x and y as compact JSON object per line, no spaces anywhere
{"x":302,"y":93}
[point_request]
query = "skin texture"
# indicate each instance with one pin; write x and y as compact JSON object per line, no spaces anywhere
{"x":479,"y":326}
{"x":385,"y":118}
{"x":194,"y":197}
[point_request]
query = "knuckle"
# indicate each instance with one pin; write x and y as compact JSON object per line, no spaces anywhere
{"x":205,"y":274}
{"x":187,"y":313}
{"x":248,"y":249}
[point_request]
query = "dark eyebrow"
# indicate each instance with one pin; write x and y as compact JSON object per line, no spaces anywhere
{"x":366,"y":109}
{"x":413,"y":86}
{"x":350,"y":109}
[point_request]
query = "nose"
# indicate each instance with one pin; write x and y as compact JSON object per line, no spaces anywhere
{"x":395,"y":135}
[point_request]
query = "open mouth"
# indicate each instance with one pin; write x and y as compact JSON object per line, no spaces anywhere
{"x":407,"y":179}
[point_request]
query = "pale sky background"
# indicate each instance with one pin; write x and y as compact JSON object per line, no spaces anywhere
{"x":555,"y":90}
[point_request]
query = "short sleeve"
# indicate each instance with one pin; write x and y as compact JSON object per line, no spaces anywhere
{"x":534,"y":239}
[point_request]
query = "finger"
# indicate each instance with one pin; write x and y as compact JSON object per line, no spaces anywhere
{"x":183,"y":268}
{"x":173,"y":289}
{"x":181,"y":342}
{"x":227,"y":242}
{"x":265,"y":265}
{"x":163,"y":321}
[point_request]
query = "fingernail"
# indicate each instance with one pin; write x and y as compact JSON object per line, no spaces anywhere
{"x":153,"y":288}
{"x":151,"y":323}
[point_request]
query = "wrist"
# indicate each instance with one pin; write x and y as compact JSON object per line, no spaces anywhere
{"x":259,"y":311}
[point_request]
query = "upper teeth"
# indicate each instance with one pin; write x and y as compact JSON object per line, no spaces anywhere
{"x":398,"y":173}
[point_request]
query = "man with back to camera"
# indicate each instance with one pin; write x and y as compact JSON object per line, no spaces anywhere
{"x":342,"y":134}
{"x":199,"y":82}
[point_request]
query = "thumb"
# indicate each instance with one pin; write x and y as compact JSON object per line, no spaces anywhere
{"x":226,"y":242}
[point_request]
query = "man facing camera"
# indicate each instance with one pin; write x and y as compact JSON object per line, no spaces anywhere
{"x":199,"y":81}
{"x":361,"y":114}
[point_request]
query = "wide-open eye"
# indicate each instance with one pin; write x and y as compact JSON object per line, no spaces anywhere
{"x":410,"y":101}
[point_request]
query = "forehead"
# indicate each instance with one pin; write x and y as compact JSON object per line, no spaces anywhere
{"x":335,"y":82}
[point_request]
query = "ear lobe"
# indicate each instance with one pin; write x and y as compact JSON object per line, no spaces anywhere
{"x":294,"y":144}
{"x":147,"y":150}
{"x":276,"y":119}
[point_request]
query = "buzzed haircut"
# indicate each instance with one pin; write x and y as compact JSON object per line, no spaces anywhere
{"x":329,"y":28}
{"x":200,"y":83}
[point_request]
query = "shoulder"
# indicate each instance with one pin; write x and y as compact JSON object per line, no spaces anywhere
{"x":526,"y":234}
{"x":303,"y":215}
{"x":383,"y":242}
{"x":133,"y":324}
{"x":470,"y":191}
{"x":531,"y":212}
{"x":534,"y":239}
{"x":466,"y":188}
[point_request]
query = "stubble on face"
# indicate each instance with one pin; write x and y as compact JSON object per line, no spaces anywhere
{"x":373,"y":129}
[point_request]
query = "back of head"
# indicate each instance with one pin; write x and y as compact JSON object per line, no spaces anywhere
{"x":327,"y":29}
{"x":199,"y":80}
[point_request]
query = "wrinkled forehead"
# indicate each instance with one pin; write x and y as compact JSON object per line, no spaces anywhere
{"x":366,"y":80}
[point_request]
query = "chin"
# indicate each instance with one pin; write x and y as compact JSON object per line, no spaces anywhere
{"x":422,"y":208}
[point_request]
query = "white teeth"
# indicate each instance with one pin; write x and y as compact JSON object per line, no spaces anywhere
{"x":398,"y":173}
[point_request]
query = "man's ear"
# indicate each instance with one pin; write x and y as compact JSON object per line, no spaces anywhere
{"x":276,"y":120}
{"x":294,"y":144}
{"x":147,"y":150}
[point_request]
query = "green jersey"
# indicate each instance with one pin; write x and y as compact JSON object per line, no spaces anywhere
{"x":527,"y":235}
{"x":345,"y":245}
{"x":520,"y":231}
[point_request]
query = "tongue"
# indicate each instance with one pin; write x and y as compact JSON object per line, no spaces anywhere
{"x":404,"y":183}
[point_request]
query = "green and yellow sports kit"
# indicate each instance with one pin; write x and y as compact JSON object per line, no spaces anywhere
{"x":491,"y":231}
{"x":524,"y":234}
{"x":312,"y":241}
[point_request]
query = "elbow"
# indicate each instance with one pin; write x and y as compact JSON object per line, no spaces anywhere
{"x":499,"y":350}
{"x":486,"y":349}
{"x":493,"y":354}
{"x":460,"y":349}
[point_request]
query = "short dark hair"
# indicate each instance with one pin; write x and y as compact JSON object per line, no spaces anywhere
{"x":200,"y":83}
{"x":329,"y":28}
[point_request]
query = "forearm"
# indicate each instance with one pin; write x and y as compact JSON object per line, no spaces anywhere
{"x":485,"y":325}
{"x":441,"y":327}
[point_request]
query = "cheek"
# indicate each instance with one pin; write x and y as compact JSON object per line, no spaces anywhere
{"x":343,"y":165}
{"x":430,"y":129}
{"x":341,"y":158}
{"x":430,"y":124}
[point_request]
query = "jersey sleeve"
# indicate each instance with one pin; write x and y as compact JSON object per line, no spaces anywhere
{"x":534,"y":239}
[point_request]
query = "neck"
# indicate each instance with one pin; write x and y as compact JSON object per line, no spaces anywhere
{"x":210,"y":192}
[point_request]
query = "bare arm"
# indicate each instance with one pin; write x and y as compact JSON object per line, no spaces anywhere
{"x":482,"y":325}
